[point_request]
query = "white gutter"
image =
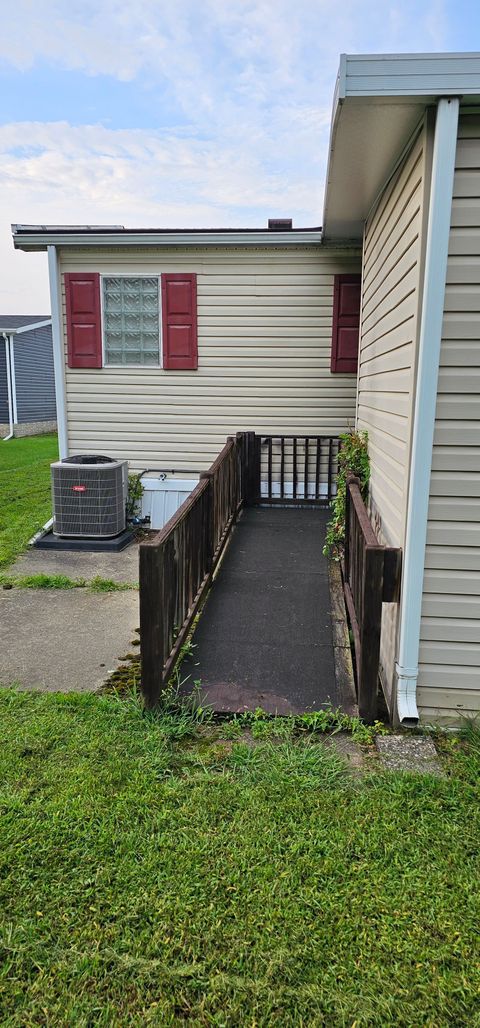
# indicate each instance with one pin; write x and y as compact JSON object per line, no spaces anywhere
{"x":58,"y":350}
{"x":436,"y":255}
{"x":9,"y":388}
{"x":14,"y":384}
{"x":25,"y":240}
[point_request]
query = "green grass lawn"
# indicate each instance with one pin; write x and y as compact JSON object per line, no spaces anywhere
{"x":150,"y":879}
{"x":25,"y":503}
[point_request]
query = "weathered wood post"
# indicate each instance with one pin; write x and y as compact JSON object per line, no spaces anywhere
{"x":372,"y":591}
{"x":152,"y":635}
{"x":208,"y":523}
{"x":251,"y":468}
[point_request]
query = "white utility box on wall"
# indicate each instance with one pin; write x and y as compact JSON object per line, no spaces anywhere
{"x":163,"y":494}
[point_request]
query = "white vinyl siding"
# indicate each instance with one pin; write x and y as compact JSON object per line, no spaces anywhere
{"x":264,"y":339}
{"x":391,"y":297}
{"x":449,"y":679}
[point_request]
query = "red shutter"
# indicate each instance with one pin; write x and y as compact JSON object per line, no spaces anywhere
{"x":84,"y":333}
{"x":179,"y":321}
{"x":346,"y":322}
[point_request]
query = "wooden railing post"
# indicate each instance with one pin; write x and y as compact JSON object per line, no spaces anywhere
{"x":372,"y":590}
{"x":241,"y":445}
{"x":250,"y":467}
{"x":208,"y":527}
{"x":152,"y":634}
{"x":371,"y":577}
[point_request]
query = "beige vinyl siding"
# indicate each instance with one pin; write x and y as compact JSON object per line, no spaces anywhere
{"x":449,"y":679}
{"x":264,"y":339}
{"x":391,"y":297}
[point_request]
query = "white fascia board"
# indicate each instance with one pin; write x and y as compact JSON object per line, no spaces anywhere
{"x":40,"y":241}
{"x":379,"y":98}
{"x":415,"y":75}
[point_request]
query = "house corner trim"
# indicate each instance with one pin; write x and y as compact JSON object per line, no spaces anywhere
{"x":58,"y":350}
{"x":438,"y":234}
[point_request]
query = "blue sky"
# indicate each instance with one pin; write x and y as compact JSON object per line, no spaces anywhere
{"x":210,"y":114}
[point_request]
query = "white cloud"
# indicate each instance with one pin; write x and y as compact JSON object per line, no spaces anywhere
{"x":248,"y":84}
{"x":91,"y":174}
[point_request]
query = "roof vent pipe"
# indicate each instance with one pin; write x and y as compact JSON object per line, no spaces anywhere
{"x":280,"y":224}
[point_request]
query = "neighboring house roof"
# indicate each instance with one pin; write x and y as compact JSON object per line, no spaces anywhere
{"x":378,"y":103}
{"x":22,"y":322}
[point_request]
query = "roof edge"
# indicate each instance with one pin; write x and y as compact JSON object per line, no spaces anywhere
{"x":38,"y":237}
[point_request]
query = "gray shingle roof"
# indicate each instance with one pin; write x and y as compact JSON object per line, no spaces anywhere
{"x":9,"y":322}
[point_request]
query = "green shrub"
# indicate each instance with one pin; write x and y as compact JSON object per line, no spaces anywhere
{"x":353,"y":459}
{"x":134,"y":496}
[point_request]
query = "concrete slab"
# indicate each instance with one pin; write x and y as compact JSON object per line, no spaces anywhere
{"x":64,"y":640}
{"x":119,"y":567}
{"x":415,"y":753}
{"x":347,"y":748}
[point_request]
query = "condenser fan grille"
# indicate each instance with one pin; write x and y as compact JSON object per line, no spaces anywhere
{"x":88,"y":498}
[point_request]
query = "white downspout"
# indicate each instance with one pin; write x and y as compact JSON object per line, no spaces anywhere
{"x":58,"y":351}
{"x":9,"y":388}
{"x":436,"y":255}
{"x":14,"y":384}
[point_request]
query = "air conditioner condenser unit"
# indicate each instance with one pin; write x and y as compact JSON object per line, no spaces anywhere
{"x":89,"y":495}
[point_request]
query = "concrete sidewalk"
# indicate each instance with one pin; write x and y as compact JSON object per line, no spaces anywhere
{"x":67,"y":639}
{"x":119,"y":567}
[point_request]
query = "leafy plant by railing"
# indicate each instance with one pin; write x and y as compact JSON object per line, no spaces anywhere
{"x":353,"y":459}
{"x":134,"y":495}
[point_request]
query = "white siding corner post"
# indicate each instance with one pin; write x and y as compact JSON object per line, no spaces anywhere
{"x":58,"y":350}
{"x":436,"y":255}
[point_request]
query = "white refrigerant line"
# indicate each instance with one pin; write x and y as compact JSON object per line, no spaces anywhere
{"x":438,"y":234}
{"x":58,"y":356}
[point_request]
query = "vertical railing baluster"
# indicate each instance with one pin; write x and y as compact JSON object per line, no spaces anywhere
{"x":305,"y":473}
{"x":317,"y":467}
{"x":329,"y":485}
{"x":269,"y":467}
{"x":294,"y":467}
{"x":282,"y":467}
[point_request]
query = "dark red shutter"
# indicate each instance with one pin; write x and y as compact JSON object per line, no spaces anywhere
{"x":346,"y":322}
{"x":84,"y":330}
{"x":179,"y":321}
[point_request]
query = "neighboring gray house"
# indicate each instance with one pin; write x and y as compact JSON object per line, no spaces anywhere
{"x":27,"y":382}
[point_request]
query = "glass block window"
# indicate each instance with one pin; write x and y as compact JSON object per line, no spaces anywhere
{"x":131,"y":321}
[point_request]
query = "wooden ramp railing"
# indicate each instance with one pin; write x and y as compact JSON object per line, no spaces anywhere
{"x":371,"y":577}
{"x":177,"y":564}
{"x":290,"y":470}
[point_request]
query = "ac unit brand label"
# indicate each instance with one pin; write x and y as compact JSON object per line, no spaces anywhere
{"x":79,"y":488}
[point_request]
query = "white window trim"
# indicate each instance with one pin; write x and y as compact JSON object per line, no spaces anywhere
{"x":134,"y":367}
